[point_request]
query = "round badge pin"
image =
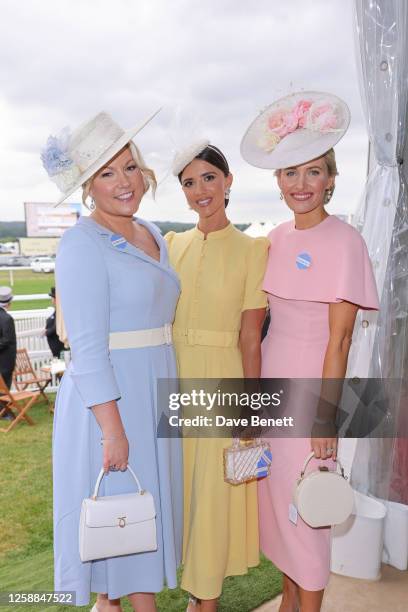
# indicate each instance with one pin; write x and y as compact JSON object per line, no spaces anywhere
{"x":118,"y":241}
{"x":303,"y":261}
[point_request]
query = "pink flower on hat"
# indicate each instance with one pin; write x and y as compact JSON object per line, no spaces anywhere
{"x":322,"y":118}
{"x":276,"y":121}
{"x":284,"y":122}
{"x":302,"y":109}
{"x":290,"y":123}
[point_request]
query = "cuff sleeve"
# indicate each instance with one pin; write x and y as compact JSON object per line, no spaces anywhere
{"x":91,"y":393}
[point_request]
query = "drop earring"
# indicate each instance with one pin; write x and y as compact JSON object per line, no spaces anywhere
{"x":328,"y":195}
{"x":281,"y":195}
{"x":227,"y":193}
{"x":92,"y":204}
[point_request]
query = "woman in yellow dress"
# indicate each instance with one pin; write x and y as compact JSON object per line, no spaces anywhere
{"x":217,"y":334}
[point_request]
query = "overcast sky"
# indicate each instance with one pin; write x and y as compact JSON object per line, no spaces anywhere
{"x":216,"y":64}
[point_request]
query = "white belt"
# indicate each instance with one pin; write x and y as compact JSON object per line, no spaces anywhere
{"x":141,"y":338}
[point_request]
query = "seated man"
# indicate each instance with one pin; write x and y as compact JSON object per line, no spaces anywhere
{"x":55,"y":344}
{"x":8,"y":342}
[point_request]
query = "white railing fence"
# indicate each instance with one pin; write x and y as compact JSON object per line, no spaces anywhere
{"x":30,"y":327}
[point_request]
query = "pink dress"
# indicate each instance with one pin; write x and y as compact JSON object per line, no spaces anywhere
{"x":307,"y":269}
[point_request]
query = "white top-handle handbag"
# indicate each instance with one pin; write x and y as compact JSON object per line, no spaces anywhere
{"x":117,"y":524}
{"x":323,"y":497}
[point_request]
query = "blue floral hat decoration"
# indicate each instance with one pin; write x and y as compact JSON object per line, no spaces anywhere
{"x":71,"y":159}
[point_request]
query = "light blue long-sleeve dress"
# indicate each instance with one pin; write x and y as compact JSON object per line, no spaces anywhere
{"x":108,"y":285}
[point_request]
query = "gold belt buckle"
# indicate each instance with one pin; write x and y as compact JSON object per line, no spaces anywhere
{"x":122,"y":521}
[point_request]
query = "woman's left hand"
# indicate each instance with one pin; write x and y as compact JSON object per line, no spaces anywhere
{"x":324,"y":448}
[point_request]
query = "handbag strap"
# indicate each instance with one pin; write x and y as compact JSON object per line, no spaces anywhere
{"x":310,"y":457}
{"x":101,"y":475}
{"x":237,"y":442}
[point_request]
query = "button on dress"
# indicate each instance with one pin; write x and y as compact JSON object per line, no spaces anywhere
{"x":221,"y":276}
{"x":108,"y":285}
{"x":307,"y":270}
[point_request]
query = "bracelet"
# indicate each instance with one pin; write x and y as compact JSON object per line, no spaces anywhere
{"x":122,"y":435}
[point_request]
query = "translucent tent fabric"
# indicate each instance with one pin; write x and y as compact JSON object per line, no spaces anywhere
{"x":379,"y":347}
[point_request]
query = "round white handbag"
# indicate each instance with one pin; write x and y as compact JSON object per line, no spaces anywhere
{"x":323,"y":497}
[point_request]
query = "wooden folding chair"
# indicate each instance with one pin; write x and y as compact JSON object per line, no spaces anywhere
{"x":24,"y":375}
{"x":17,"y":403}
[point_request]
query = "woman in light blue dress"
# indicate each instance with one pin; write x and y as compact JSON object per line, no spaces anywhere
{"x":113,"y":275}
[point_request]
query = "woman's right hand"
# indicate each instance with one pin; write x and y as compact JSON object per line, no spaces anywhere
{"x":114,"y":440}
{"x":115,"y":453}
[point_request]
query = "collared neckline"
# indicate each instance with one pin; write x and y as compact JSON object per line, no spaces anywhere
{"x":101,"y":229}
{"x":324,"y":221}
{"x":105,"y":231}
{"x":222,"y":233}
{"x":130,"y":249}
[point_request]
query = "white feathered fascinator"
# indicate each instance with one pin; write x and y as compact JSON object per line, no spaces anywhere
{"x":186,"y":140}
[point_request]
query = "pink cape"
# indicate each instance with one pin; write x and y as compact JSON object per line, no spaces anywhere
{"x":326,"y":263}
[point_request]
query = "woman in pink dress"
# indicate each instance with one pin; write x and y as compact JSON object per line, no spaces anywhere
{"x":318,"y":275}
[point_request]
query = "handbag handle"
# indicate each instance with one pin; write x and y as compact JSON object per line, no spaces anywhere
{"x":310,"y":456}
{"x":237,"y":442}
{"x":101,"y":475}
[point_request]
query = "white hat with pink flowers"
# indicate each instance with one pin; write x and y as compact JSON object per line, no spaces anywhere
{"x":295,"y":129}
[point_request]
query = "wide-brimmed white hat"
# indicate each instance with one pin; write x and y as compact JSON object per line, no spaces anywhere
{"x":71,"y":159}
{"x":295,"y":129}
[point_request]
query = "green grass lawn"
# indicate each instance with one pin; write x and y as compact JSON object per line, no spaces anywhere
{"x":27,"y":282}
{"x":26,"y":528}
{"x":30,"y":304}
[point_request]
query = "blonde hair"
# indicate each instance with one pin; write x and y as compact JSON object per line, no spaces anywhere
{"x":149,"y":177}
{"x":330,"y":159}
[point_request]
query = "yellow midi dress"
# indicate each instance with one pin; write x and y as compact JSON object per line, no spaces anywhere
{"x":221,"y":276}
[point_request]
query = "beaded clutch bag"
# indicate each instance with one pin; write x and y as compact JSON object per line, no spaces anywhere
{"x":246,"y":461}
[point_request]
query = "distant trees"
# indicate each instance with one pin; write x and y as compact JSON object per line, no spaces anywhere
{"x":9,"y":230}
{"x":174,"y":226}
